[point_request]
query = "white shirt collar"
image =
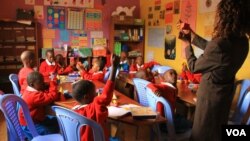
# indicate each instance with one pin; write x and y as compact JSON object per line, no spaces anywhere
{"x":123,"y":62}
{"x":28,"y":88}
{"x":98,"y":72}
{"x":77,"y":107}
{"x":168,"y":84}
{"x":50,"y":64}
{"x":138,"y":67}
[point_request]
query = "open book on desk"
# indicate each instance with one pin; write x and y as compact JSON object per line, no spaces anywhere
{"x":137,"y":112}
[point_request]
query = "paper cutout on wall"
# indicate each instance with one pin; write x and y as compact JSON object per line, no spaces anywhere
{"x":79,"y":41}
{"x":126,"y":10}
{"x":56,"y":17}
{"x":96,"y":34}
{"x":39,"y":12}
{"x":189,"y":12}
{"x":30,"y":2}
{"x":47,"y":43}
{"x":169,"y":13}
{"x":99,"y":52}
{"x":75,"y":19}
{"x":156,"y":37}
{"x":93,"y":19}
{"x":85,"y":52}
{"x":208,"y":5}
{"x":99,"y":42}
{"x":71,"y":3}
{"x":49,"y":33}
{"x":64,"y":35}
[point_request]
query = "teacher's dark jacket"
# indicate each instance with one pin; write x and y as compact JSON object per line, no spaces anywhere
{"x":219,"y":63}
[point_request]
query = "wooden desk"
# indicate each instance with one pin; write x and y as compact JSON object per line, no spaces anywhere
{"x":122,"y":99}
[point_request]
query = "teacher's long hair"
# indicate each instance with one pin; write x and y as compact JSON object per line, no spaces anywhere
{"x":232,"y":18}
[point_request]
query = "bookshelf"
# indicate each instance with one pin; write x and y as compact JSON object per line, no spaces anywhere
{"x":15,"y":38}
{"x":128,"y":32}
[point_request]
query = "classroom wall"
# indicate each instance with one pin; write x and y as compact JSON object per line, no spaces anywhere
{"x":158,"y":53}
{"x":8,"y":10}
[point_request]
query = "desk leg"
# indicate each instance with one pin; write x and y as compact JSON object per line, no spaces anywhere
{"x":155,"y":131}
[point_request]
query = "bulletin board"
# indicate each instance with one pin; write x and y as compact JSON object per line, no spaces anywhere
{"x":93,"y":19}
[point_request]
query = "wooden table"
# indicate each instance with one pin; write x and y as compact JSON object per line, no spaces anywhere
{"x":122,"y":99}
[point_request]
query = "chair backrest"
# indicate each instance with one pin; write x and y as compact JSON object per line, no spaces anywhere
{"x":8,"y":104}
{"x":245,"y":106}
{"x":245,"y":83}
{"x":140,"y":87}
{"x":15,"y":84}
{"x":70,"y":124}
{"x":153,"y":100}
{"x":106,"y":75}
{"x":161,"y":69}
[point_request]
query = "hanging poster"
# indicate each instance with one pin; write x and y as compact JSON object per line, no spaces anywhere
{"x":208,"y":5}
{"x":56,"y":17}
{"x":176,"y":6}
{"x":38,"y":12}
{"x":170,"y":43}
{"x":75,"y":19}
{"x":156,"y":37}
{"x":93,"y":19}
{"x":169,"y":13}
{"x":49,"y":33}
{"x":71,"y":3}
{"x":189,"y":12}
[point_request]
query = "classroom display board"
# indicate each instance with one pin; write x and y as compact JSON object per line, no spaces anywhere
{"x":75,"y":19}
{"x":56,"y":17}
{"x":71,"y":3}
{"x":93,"y":19}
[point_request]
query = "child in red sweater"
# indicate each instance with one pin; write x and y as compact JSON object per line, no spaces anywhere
{"x":188,"y":76}
{"x":138,"y":65}
{"x":61,"y":67}
{"x":48,"y":67}
{"x":37,"y":99}
{"x":96,"y":72}
{"x":166,"y":89}
{"x":27,"y":58}
{"x":84,"y":92}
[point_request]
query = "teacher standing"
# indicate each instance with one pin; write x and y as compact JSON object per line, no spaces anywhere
{"x":223,"y":57}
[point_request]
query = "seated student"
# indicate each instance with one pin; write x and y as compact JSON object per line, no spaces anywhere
{"x":124,"y":64}
{"x":85,"y":93}
{"x":138,"y":65}
{"x":166,"y":89}
{"x":37,"y":99}
{"x":62,"y":69}
{"x":27,"y":58}
{"x":95,"y":73}
{"x":190,"y":77}
{"x":48,"y":68}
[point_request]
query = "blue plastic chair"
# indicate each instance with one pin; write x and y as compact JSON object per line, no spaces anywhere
{"x":107,"y":74}
{"x":245,"y":83}
{"x":8,"y":104}
{"x":15,"y":84}
{"x":71,"y":123}
{"x":245,"y":107}
{"x":140,"y":87}
{"x":153,"y":100}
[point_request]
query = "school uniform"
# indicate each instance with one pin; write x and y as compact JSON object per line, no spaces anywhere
{"x":97,"y":111}
{"x":93,"y":75}
{"x":46,"y":68}
{"x":194,"y":78}
{"x":221,"y":60}
{"x":168,"y":91}
{"x":22,"y":78}
{"x":37,"y":102}
{"x":64,"y":71}
{"x":136,"y":67}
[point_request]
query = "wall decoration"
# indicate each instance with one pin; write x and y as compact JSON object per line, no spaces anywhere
{"x":119,"y":10}
{"x":47,"y":43}
{"x":176,"y":6}
{"x":189,"y":12}
{"x":38,"y":12}
{"x":157,"y":2}
{"x":93,"y":19}
{"x":56,"y":17}
{"x":169,"y":13}
{"x":150,"y":9}
{"x":30,"y":2}
{"x":208,"y":24}
{"x":162,"y":14}
{"x":64,"y":35}
{"x":170,"y":43}
{"x":156,"y":37}
{"x":96,"y":34}
{"x":49,"y":33}
{"x":85,"y":52}
{"x":71,"y":3}
{"x":208,"y":5}
{"x":75,"y":19}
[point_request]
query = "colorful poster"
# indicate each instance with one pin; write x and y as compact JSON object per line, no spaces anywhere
{"x":169,"y":13}
{"x":64,"y":35}
{"x":208,"y":5}
{"x":99,"y":42}
{"x":170,"y":44}
{"x":71,"y":3}
{"x":75,"y":19}
{"x":93,"y":19}
{"x":47,"y":43}
{"x":79,"y":42}
{"x":29,"y":2}
{"x":99,"y":52}
{"x":56,"y":17}
{"x":38,"y":12}
{"x":49,"y":33}
{"x":189,"y":12}
{"x":85,"y":52}
{"x":96,"y":34}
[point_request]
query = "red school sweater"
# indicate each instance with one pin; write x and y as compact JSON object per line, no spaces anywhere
{"x":97,"y":111}
{"x":99,"y":76}
{"x":46,"y":68}
{"x":168,"y":92}
{"x":145,"y":66}
{"x":37,"y":101}
{"x":22,"y":78}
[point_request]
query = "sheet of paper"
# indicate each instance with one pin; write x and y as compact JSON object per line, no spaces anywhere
{"x":116,"y":111}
